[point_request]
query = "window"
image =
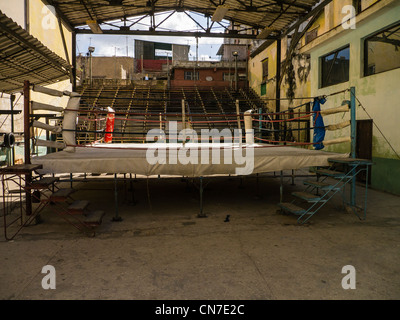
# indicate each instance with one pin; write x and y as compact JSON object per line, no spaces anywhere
{"x":263,"y":89}
{"x":264,"y":69}
{"x":335,"y":67}
{"x":228,"y":77}
{"x":311,"y":35}
{"x":382,"y":51}
{"x":191,"y":75}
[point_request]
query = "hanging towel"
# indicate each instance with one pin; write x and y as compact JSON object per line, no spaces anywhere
{"x":319,"y":127}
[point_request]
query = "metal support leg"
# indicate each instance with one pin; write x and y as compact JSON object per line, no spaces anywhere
{"x":281,"y":188}
{"x":353,"y":131}
{"x":133,"y":202}
{"x":353,"y":189}
{"x":241,"y":183}
{"x":201,"y":214}
{"x":116,"y":217}
{"x":366,"y":192}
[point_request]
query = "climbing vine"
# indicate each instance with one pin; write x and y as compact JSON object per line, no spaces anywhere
{"x":290,"y":79}
{"x":302,"y":62}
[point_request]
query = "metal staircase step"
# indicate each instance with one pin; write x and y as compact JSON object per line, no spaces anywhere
{"x":319,"y":185}
{"x":61,"y":195}
{"x":351,"y":161}
{"x":308,"y":197}
{"x":331,"y":173}
{"x":291,"y":208}
{"x":78,"y":207}
{"x":43,"y":183}
{"x":94,"y":218}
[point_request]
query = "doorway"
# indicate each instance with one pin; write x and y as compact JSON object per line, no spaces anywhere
{"x":364,"y":145}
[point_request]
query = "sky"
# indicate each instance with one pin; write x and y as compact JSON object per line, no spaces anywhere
{"x":122,"y":45}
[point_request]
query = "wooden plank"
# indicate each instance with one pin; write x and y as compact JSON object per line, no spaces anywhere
{"x":94,"y":218}
{"x":319,"y":184}
{"x":292,"y":208}
{"x":61,"y":194}
{"x":43,"y":183}
{"x":307,"y":196}
{"x":21,"y":168}
{"x":330,"y":173}
{"x":78,"y":207}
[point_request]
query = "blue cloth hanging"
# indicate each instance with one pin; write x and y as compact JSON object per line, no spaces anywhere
{"x":319,"y":126}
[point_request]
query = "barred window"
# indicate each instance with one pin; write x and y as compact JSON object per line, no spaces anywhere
{"x":382,"y":51}
{"x":191,"y":75}
{"x":265,"y":69}
{"x":335,"y":67}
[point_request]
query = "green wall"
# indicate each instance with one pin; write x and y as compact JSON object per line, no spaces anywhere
{"x":385,"y":175}
{"x":379,"y":94}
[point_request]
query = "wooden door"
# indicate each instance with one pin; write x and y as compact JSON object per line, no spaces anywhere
{"x":364,"y":144}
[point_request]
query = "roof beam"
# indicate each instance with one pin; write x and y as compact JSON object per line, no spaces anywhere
{"x":174,"y":34}
{"x":293,"y":4}
{"x":314,"y":11}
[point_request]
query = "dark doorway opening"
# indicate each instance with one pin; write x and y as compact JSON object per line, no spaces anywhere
{"x":364,"y":145}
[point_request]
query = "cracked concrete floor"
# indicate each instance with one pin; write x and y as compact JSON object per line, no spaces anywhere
{"x":162,"y":250}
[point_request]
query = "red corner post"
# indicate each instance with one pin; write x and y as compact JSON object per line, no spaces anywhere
{"x":27,"y":145}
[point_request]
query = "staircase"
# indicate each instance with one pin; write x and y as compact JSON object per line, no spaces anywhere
{"x":39,"y":193}
{"x":73,"y":211}
{"x":329,"y":182}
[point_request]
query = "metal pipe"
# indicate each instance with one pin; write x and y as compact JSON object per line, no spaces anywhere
{"x":116,"y":217}
{"x":201,"y":214}
{"x":281,"y":188}
{"x":353,"y":126}
{"x":12,"y":98}
{"x":27,"y":147}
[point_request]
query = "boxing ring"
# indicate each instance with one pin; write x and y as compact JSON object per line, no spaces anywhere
{"x":185,"y":153}
{"x":136,"y":158}
{"x":170,"y":153}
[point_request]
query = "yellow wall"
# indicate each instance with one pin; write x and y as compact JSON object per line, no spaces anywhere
{"x":44,"y":26}
{"x":15,"y":10}
{"x":330,"y":18}
{"x":255,"y":73}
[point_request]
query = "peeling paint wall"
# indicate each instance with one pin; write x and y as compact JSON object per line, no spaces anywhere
{"x":378,"y":93}
{"x":255,"y":73}
{"x":43,"y":25}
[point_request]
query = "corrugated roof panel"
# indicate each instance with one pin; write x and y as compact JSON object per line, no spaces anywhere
{"x":23,"y":57}
{"x":277,"y":14}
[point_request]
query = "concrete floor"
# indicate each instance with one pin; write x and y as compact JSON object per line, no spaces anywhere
{"x":161,"y":250}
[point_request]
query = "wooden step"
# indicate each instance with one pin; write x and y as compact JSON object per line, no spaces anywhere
{"x":78,"y":207}
{"x":319,"y":185}
{"x":94,"y":218}
{"x":331,"y":173}
{"x":309,"y":197}
{"x":291,"y":208}
{"x":61,"y":195}
{"x":43,"y":183}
